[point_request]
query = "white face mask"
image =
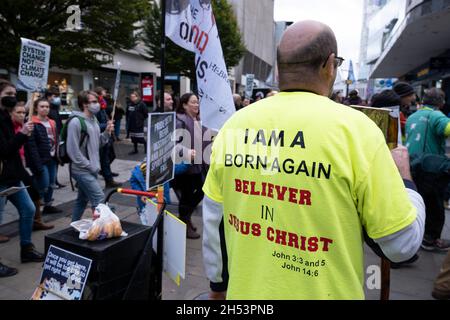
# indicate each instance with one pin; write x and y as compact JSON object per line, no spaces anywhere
{"x":94,"y":108}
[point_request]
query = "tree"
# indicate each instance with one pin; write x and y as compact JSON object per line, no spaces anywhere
{"x":179,"y":60}
{"x":107,"y":26}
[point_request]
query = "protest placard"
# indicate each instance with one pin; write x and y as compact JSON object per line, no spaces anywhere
{"x":249,"y":86}
{"x":174,"y":255}
{"x":63,"y":277}
{"x":388,"y":120}
{"x":160,"y":148}
{"x":33,"y":66}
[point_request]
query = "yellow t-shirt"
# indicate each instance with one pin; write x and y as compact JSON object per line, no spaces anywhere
{"x":299,"y":176}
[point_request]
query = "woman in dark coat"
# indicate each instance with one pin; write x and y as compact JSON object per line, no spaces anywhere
{"x":137,"y":113}
{"x":12,"y":173}
{"x":18,"y":117}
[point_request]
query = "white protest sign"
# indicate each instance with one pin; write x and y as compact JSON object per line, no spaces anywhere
{"x":191,"y":25}
{"x":174,"y":255}
{"x":33,"y":66}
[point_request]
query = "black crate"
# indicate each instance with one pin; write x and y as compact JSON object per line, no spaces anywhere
{"x":113,"y":260}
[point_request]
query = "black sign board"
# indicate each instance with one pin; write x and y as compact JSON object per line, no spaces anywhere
{"x":160,"y":150}
{"x":63,"y":277}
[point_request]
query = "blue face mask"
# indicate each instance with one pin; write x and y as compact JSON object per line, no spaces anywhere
{"x":56,"y":101}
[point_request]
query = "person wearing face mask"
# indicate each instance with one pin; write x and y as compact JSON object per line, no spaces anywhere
{"x":18,"y":117}
{"x":85,"y":153}
{"x":12,"y":173}
{"x":55,"y":104}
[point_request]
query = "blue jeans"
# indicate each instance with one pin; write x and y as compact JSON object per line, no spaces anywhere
{"x":45,"y":182}
{"x":25,"y":206}
{"x":2,"y":208}
{"x":88,"y":190}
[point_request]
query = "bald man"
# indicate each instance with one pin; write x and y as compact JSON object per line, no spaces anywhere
{"x":296,"y":180}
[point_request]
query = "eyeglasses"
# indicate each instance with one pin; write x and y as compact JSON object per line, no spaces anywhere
{"x":337,"y":61}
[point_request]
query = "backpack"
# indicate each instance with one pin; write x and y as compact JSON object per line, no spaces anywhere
{"x":63,"y":156}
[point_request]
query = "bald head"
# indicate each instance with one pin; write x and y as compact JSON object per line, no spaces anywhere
{"x":307,"y":44}
{"x":303,"y":50}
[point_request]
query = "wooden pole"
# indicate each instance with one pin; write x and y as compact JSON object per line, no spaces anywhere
{"x":385,"y":279}
{"x":114,"y":110}
{"x":34,"y":97}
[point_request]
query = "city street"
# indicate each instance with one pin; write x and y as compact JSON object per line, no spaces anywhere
{"x":413,"y":282}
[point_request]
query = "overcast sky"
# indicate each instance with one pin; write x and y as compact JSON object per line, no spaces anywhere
{"x":343,"y":16}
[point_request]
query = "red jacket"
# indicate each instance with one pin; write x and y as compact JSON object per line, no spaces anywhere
{"x":17,"y":128}
{"x":402,"y":122}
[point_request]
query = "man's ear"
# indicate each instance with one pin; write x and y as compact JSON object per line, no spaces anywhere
{"x":330,"y":66}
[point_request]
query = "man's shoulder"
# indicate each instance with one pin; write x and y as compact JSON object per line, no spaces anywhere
{"x":437,"y":114}
{"x":74,"y":121}
{"x":77,"y":122}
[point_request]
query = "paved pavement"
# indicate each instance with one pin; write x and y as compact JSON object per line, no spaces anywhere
{"x":414,"y":282}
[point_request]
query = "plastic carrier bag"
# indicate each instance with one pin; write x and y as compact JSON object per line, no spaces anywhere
{"x":106,"y":226}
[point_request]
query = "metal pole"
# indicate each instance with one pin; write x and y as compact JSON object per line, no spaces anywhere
{"x":163,"y":54}
{"x":160,"y":241}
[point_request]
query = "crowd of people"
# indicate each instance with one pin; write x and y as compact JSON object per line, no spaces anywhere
{"x":393,"y":197}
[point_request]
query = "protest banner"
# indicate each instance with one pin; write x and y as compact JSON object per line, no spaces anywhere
{"x":191,"y":25}
{"x":63,"y":277}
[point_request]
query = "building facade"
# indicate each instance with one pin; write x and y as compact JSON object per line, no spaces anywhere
{"x":256,"y":22}
{"x":410,"y":41}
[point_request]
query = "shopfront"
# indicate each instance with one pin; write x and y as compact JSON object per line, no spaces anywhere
{"x":129,"y":82}
{"x":67,"y":85}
